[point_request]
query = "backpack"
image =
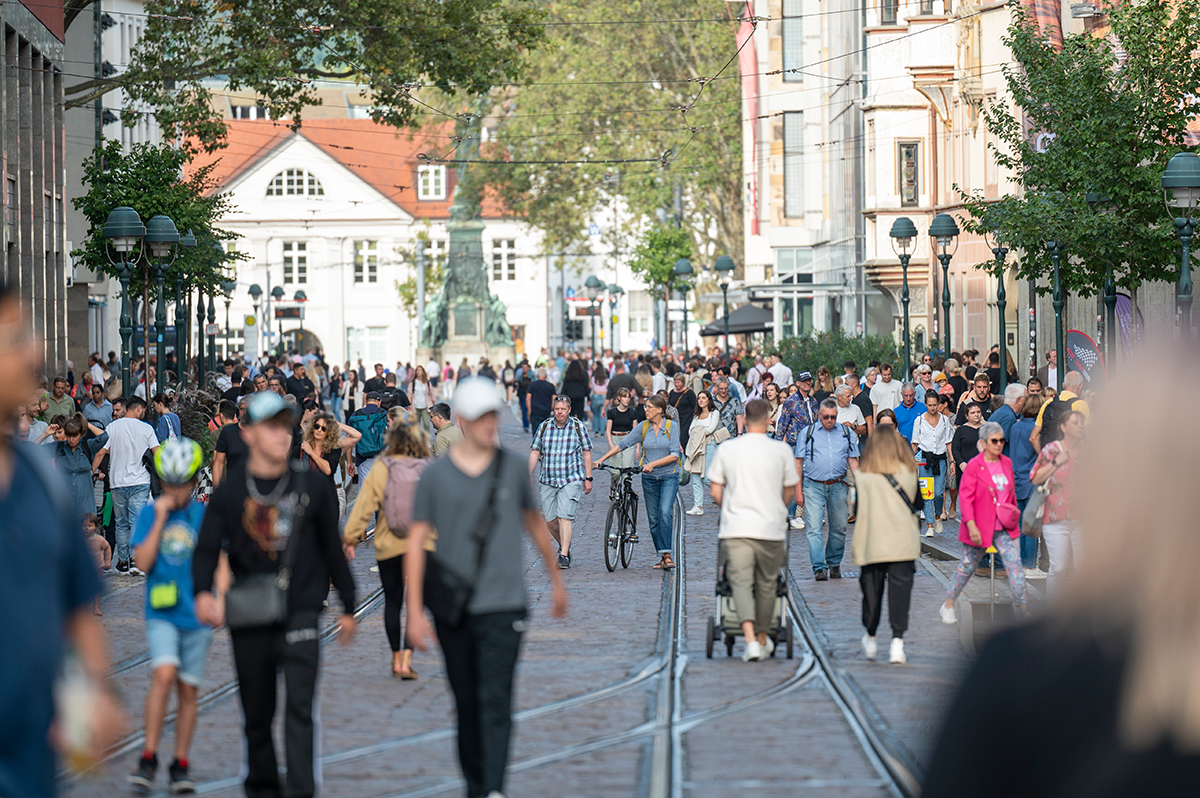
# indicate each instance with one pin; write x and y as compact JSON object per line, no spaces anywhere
{"x":373,"y":427}
{"x":574,"y":422}
{"x":1052,"y":418}
{"x":508,"y":375}
{"x":401,"y":491}
{"x":808,"y":439}
{"x":389,"y":398}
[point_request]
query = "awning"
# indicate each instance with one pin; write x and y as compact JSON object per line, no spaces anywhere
{"x":746,"y":319}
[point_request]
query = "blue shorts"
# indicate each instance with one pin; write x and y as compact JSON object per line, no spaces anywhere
{"x":184,"y":649}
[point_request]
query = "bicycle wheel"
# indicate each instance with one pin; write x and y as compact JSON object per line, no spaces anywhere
{"x":613,"y":534}
{"x":628,"y":530}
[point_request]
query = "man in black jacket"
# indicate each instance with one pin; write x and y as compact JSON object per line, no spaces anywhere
{"x":263,"y":507}
{"x":300,"y":386}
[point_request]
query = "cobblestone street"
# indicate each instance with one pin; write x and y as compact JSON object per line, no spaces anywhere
{"x":592,"y":689}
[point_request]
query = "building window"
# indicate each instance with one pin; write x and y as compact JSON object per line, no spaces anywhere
{"x":366,"y":261}
{"x":926,"y":7}
{"x":295,"y":183}
{"x":793,"y":164}
{"x":794,"y":267}
{"x":249,"y":112}
{"x":367,"y":343}
{"x":793,"y":40}
{"x":909,"y":173}
{"x":640,"y":309}
{"x":431,"y":182}
{"x":295,"y":262}
{"x":504,"y":260}
{"x":887,"y":11}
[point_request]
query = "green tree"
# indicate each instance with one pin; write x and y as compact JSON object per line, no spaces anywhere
{"x":631,"y":83}
{"x":654,"y":256}
{"x":833,"y":348}
{"x":1116,"y":115}
{"x":435,"y":272}
{"x":191,"y":50}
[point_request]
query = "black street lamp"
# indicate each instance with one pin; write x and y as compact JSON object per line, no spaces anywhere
{"x":724,"y":268}
{"x":994,"y":240}
{"x":1055,"y":249}
{"x":684,"y":272}
{"x":614,"y":291}
{"x":255,"y":297}
{"x":277,"y":295}
{"x":301,"y":297}
{"x":1181,"y":191}
{"x":200,"y":362}
{"x":1100,"y":204}
{"x":903,"y":233}
{"x":944,"y":231}
{"x":161,"y":238}
{"x":228,"y":287}
{"x":123,"y":231}
{"x":594,"y":287}
{"x":181,"y":378}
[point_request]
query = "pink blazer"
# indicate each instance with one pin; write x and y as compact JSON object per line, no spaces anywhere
{"x":975,"y":499}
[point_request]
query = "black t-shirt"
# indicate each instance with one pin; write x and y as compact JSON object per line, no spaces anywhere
{"x":230,"y":443}
{"x":300,"y":388}
{"x":821,"y":396}
{"x":960,"y":418}
{"x":541,"y":397}
{"x":965,"y":444}
{"x":373,"y":384}
{"x":391,"y":396}
{"x":863,"y":402}
{"x":233,"y":394}
{"x":622,"y":420}
{"x":959,"y":385}
{"x":622,"y":380}
{"x":253,"y":537}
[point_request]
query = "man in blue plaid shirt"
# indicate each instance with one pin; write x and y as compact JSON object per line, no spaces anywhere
{"x":564,"y":448}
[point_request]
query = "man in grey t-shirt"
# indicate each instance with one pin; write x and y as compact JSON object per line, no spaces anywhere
{"x":451,"y":501}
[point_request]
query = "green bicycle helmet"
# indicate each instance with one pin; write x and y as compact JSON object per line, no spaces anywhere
{"x":178,"y":460}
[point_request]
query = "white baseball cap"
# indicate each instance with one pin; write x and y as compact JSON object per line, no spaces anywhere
{"x":475,"y":397}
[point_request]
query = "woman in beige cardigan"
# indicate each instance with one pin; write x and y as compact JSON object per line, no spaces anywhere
{"x":886,"y":539}
{"x":703,"y":436}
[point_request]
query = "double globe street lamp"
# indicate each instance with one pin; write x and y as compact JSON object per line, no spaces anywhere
{"x":1181,"y":192}
{"x":995,"y":241}
{"x":614,"y":293}
{"x":593,"y":287}
{"x":123,"y":232}
{"x":683,"y":273}
{"x":724,"y":268}
{"x":944,"y":231}
{"x":903,"y":234}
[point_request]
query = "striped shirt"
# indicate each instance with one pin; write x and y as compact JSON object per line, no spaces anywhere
{"x":562,"y":451}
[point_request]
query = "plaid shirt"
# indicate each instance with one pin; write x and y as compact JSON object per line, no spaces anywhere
{"x":796,"y":414}
{"x":562,"y":451}
{"x":729,"y":412}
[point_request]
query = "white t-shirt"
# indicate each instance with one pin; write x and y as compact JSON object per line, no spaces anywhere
{"x":432,"y":370}
{"x":421,"y":394}
{"x":128,"y":440}
{"x":141,"y":390}
{"x":97,"y":374}
{"x":850,"y":413}
{"x":782,"y":375}
{"x":659,"y":382}
{"x":932,"y":439}
{"x":885,"y":395}
{"x":754,"y":376}
{"x":754,"y":469}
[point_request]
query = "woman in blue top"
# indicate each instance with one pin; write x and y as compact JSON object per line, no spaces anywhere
{"x":73,"y":459}
{"x":659,"y":437}
{"x":1023,"y":454}
{"x":169,"y":425}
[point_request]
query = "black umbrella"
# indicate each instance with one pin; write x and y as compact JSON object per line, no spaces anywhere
{"x":743,"y":320}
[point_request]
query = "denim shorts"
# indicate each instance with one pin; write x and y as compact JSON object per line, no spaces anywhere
{"x":185,"y":649}
{"x":561,"y":502}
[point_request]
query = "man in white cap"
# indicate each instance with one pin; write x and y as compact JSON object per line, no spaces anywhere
{"x":478,"y":499}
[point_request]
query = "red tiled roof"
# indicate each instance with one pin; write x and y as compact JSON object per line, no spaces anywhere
{"x":382,"y":156}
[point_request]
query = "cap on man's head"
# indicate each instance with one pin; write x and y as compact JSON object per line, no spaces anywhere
{"x":267,"y":406}
{"x":805,"y":376}
{"x":373,"y":396}
{"x":475,"y":397}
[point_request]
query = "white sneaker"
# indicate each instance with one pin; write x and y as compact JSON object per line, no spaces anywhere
{"x":768,"y":648}
{"x":797,"y":523}
{"x":696,"y":511}
{"x":921,"y":513}
{"x":870,"y":646}
{"x":948,"y":616}
{"x":753,"y":651}
{"x":135,"y":571}
{"x":937,"y":526}
{"x":897,"y":657}
{"x":930,"y":533}
{"x":1035,"y":573}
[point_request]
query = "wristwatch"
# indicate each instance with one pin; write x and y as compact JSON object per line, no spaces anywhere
{"x":587,"y":479}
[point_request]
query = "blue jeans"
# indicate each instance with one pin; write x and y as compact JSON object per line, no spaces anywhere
{"x":939,"y":485}
{"x":821,"y":502}
{"x":659,"y":495}
{"x":1029,"y":546}
{"x":598,"y":420}
{"x":127,"y":503}
{"x":335,"y":407}
{"x":710,"y":452}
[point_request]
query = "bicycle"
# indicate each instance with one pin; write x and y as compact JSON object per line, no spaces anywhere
{"x":620,"y":527}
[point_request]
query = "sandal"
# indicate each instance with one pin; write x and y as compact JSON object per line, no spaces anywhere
{"x":665,"y":563}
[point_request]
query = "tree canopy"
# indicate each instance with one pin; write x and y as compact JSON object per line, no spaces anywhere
{"x":192,"y":50}
{"x":1114,"y":110}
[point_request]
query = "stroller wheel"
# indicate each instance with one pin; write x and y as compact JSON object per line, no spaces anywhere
{"x":711,"y":636}
{"x":729,"y":645}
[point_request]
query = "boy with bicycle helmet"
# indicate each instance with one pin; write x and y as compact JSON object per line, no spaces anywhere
{"x":164,"y":538}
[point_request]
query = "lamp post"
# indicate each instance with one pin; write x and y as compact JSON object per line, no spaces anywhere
{"x":212,"y":339}
{"x":189,"y":241}
{"x":1055,"y":249}
{"x":684,"y":271}
{"x":255,"y":297}
{"x":300,"y":297}
{"x":993,"y":237}
{"x":228,"y":287}
{"x":1181,"y":191}
{"x":614,"y":291}
{"x":123,"y":230}
{"x":277,"y":295}
{"x":161,"y":237}
{"x":1100,"y":204}
{"x":944,"y":231}
{"x":200,"y":362}
{"x":594,"y":287}
{"x":724,"y":268}
{"x":903,"y":233}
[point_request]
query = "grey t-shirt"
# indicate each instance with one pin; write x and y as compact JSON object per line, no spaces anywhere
{"x":453,"y":502}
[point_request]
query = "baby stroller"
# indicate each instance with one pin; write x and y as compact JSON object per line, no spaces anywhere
{"x":726,"y":621}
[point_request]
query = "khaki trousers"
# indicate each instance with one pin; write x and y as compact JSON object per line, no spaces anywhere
{"x":752,"y":567}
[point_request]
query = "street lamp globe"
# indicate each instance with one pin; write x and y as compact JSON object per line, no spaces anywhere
{"x":683,"y":268}
{"x":229,"y":286}
{"x":255,"y":293}
{"x":593,"y":286}
{"x":903,"y":233}
{"x":614,"y":290}
{"x":300,"y":296}
{"x":123,"y":229}
{"x":187,"y":240}
{"x":161,"y":235}
{"x":277,"y":293}
{"x":1181,"y":184}
{"x":944,"y":230}
{"x":725,"y":267}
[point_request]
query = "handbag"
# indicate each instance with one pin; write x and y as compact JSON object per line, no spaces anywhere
{"x":1035,"y":509}
{"x":257,"y":600}
{"x":1006,"y":512}
{"x":447,"y":591}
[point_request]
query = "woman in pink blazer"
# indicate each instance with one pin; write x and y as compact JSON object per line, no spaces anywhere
{"x":985,"y":486}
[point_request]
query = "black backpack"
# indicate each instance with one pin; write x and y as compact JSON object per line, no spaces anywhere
{"x":1052,"y":418}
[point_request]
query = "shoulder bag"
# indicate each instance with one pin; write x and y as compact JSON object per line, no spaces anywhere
{"x":915,"y":504}
{"x":257,"y":600}
{"x":448,"y":592}
{"x":1035,"y":508}
{"x":1006,"y":512}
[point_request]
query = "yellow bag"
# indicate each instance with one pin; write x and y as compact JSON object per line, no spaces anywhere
{"x":926,"y":487}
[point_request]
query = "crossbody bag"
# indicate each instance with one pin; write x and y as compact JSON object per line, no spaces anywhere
{"x":257,"y":600}
{"x":1035,"y":509}
{"x":447,"y":591}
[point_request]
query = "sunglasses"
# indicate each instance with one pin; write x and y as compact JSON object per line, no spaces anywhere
{"x":320,"y":428}
{"x":1000,"y":441}
{"x":828,"y":418}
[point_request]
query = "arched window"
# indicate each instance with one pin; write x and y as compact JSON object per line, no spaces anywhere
{"x":295,"y":183}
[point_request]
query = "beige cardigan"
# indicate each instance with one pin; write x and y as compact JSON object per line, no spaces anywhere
{"x":694,"y":456}
{"x":886,"y":529}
